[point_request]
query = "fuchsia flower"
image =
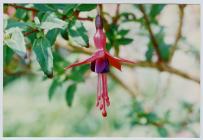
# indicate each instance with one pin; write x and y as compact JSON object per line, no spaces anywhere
{"x":100,"y":62}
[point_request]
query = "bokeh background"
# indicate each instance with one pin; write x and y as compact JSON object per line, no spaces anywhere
{"x":162,"y":97}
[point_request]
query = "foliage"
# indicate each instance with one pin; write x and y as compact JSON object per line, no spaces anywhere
{"x":33,"y":31}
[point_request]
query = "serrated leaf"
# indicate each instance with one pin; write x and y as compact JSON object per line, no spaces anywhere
{"x":86,"y":7}
{"x":16,"y":41}
{"x":52,"y":35}
{"x":52,"y":22}
{"x":54,"y":85}
{"x":78,"y":34}
{"x":70,"y":94}
{"x":42,"y":49}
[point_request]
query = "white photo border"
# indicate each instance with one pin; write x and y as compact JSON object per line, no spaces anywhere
{"x":199,"y":2}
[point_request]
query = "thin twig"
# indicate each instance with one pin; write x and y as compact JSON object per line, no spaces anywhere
{"x":153,"y":39}
{"x":85,"y":18}
{"x":30,"y":32}
{"x":115,"y":21}
{"x":116,"y":16}
{"x":158,"y":66}
{"x":114,"y":77}
{"x":22,"y":7}
{"x":179,"y":31}
{"x":76,"y":13}
{"x":165,"y":67}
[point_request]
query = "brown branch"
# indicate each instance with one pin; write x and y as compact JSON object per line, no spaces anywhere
{"x":165,"y":67}
{"x":76,"y":13}
{"x":114,"y":77}
{"x":22,"y":7}
{"x":158,"y":66}
{"x":85,"y":19}
{"x":179,"y":31}
{"x":76,"y":49}
{"x":30,"y":32}
{"x":18,"y":73}
{"x":116,"y":16}
{"x":153,"y":39}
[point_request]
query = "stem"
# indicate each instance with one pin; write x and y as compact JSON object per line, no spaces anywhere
{"x":76,"y":13}
{"x":114,"y":77}
{"x":28,"y":33}
{"x":22,"y":7}
{"x":115,"y":21}
{"x":179,"y":31}
{"x":153,"y":39}
{"x":167,"y":68}
{"x":85,"y":19}
{"x":158,"y":66}
{"x":116,"y":17}
{"x":117,"y":50}
{"x":100,"y":9}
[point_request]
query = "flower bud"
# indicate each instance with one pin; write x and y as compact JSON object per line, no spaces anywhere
{"x":99,"y":22}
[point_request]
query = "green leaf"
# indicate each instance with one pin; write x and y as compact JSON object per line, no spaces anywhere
{"x":54,"y":85}
{"x":52,"y":35}
{"x":124,"y":41}
{"x":21,"y":14}
{"x":152,"y":117}
{"x":7,"y":53}
{"x":13,"y":23}
{"x":52,"y":22}
{"x":78,"y":72}
{"x":164,"y":51}
{"x":162,"y":131}
{"x":32,"y":37}
{"x":45,"y":7}
{"x":137,"y":107}
{"x":5,"y":21}
{"x":70,"y":94}
{"x":156,"y":9}
{"x":42,"y":49}
{"x":64,"y":33}
{"x":69,"y":7}
{"x":164,"y":48}
{"x":123,"y":32}
{"x":16,"y":41}
{"x":86,"y":7}
{"x":78,"y":34}
{"x":108,"y":46}
{"x":149,"y":52}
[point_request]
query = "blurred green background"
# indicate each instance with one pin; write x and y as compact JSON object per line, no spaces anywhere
{"x":167,"y":105}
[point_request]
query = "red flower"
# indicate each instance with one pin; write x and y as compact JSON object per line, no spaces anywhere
{"x":100,"y":62}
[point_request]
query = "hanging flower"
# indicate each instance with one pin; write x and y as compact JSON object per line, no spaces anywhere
{"x":100,"y":62}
